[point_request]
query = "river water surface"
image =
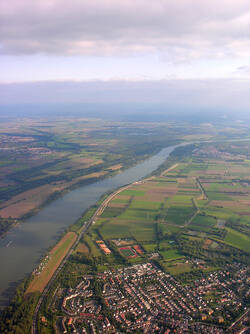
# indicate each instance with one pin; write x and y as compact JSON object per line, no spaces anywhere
{"x":23,"y":246}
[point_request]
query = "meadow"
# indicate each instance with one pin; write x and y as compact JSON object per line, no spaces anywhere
{"x":237,"y":239}
{"x":56,"y":255}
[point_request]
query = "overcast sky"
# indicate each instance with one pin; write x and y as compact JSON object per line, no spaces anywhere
{"x":133,"y":40}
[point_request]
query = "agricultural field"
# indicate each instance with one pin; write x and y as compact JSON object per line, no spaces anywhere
{"x":198,"y":208}
{"x":191,"y":220}
{"x":237,"y":239}
{"x":40,"y":158}
{"x":203,"y":223}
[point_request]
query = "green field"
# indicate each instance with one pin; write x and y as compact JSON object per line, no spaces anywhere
{"x":93,"y":248}
{"x":166,"y":228}
{"x":177,"y":268}
{"x":120,"y":200}
{"x":202,"y":223}
{"x":139,"y":214}
{"x":150,"y":247}
{"x":127,"y":252}
{"x":161,"y":212}
{"x":130,"y":192}
{"x":179,"y":215}
{"x":172,"y":254}
{"x":214,"y":195}
{"x":148,"y":205}
{"x":140,"y":230}
{"x":237,"y":239}
{"x":111,"y":212}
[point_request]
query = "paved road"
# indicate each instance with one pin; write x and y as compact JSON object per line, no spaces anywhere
{"x":46,"y":290}
{"x":240,"y":318}
{"x":87,"y":224}
{"x":107,"y":200}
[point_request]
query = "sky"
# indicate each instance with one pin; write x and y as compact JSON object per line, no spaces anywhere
{"x":81,"y":45}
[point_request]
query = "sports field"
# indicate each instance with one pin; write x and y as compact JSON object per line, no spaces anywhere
{"x":128,"y":252}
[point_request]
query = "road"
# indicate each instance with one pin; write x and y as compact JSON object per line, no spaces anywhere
{"x":45,"y":291}
{"x":169,"y":169}
{"x":204,"y":195}
{"x":107,"y":200}
{"x":239,"y":319}
{"x":87,"y":224}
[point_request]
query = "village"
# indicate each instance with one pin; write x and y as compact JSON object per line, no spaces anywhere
{"x":143,"y":299}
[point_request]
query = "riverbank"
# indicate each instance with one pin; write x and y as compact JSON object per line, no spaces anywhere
{"x":33,"y":201}
{"x":32,"y":238}
{"x":99,"y":209}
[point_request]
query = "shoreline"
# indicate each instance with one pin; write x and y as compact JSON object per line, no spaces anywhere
{"x":59,"y":194}
{"x":26,"y":277}
{"x":104,"y":201}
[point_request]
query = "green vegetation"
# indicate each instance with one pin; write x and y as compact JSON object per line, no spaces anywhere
{"x":172,"y":254}
{"x":150,"y":247}
{"x":91,"y":245}
{"x":131,"y":192}
{"x":179,"y":215}
{"x":38,"y":163}
{"x":17,"y":317}
{"x":140,"y":230}
{"x":6,"y":224}
{"x":148,"y":205}
{"x":127,"y":252}
{"x":174,"y":215}
{"x":202,"y":223}
{"x":159,"y":213}
{"x":165,"y":228}
{"x":237,"y":239}
{"x":176,"y":267}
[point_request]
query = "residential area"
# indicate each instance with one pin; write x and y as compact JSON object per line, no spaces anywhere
{"x":144,"y":299}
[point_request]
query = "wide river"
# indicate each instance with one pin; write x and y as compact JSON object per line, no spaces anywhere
{"x":24,"y":245}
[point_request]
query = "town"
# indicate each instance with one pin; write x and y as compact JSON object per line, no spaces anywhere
{"x":144,"y":299}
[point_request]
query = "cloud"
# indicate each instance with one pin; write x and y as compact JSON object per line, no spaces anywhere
{"x":177,"y":30}
{"x":183,"y":95}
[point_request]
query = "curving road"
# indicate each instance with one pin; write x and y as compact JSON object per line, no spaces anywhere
{"x":87,"y":224}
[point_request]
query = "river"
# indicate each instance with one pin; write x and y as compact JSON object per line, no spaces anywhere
{"x":25,"y":244}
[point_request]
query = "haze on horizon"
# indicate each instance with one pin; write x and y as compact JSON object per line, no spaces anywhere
{"x":182,"y":54}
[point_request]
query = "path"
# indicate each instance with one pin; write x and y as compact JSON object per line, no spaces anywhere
{"x":84,"y":229}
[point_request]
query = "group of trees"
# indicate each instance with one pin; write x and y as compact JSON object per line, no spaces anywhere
{"x":5,"y":224}
{"x":17,"y":317}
